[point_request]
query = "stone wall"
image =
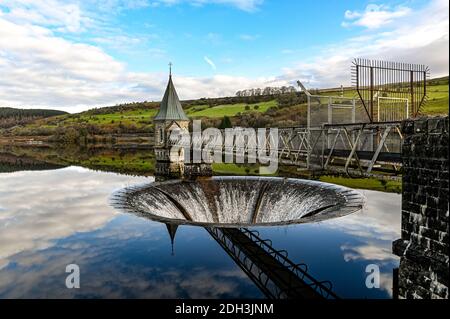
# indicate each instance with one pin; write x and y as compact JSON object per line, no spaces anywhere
{"x":193,"y":170}
{"x":424,"y":243}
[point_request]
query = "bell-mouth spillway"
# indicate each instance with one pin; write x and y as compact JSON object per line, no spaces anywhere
{"x":229,"y":201}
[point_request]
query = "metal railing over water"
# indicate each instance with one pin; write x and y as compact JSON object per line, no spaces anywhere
{"x":270,"y":269}
{"x":351,"y":148}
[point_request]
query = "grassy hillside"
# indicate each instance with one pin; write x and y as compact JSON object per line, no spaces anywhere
{"x":128,"y":161}
{"x":437,"y":91}
{"x":437,"y":100}
{"x":140,"y":116}
{"x":255,"y":111}
{"x":229,"y":109}
{"x":7,"y":112}
{"x":10,"y":117}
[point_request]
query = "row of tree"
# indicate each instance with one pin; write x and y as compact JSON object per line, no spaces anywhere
{"x":266,"y":91}
{"x":9,"y":112}
{"x":10,"y":117}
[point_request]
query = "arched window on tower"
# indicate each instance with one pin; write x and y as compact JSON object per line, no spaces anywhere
{"x":161,"y":135}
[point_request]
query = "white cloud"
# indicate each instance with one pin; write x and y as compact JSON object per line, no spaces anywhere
{"x":214,"y":38}
{"x":351,"y":14}
{"x":227,"y":60}
{"x":210,"y":62}
{"x":417,"y":39}
{"x":157,"y":53}
{"x":119,"y":5}
{"x":376,"y":220}
{"x":37,"y":274}
{"x":119,"y":41}
{"x":46,"y":70}
{"x":32,"y":220}
{"x":245,"y":5}
{"x":249,"y":37}
{"x":219,"y":85}
{"x":372,"y":230}
{"x":369,"y":251}
{"x":64,"y":17}
{"x":375,"y":16}
{"x":42,"y":69}
{"x":287,"y":51}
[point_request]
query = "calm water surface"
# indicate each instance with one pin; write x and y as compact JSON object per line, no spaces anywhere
{"x":52,"y":218}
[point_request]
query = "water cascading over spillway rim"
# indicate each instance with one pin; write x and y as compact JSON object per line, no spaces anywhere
{"x":230,"y":201}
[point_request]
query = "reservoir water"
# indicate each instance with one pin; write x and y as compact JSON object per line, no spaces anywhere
{"x":52,"y":218}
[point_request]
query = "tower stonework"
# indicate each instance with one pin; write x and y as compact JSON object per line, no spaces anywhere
{"x":169,"y":118}
{"x":424,"y":243}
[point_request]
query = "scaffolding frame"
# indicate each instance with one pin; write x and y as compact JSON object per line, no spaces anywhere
{"x":392,"y":79}
{"x":357,"y":147}
{"x":394,"y":115}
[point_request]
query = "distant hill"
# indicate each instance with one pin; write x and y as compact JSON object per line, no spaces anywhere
{"x":438,"y":81}
{"x":10,"y":117}
{"x":231,"y":100}
{"x":208,"y":102}
{"x":282,"y":110}
{"x":6,"y":112}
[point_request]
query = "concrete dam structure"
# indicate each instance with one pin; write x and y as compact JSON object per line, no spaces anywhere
{"x":239,"y":201}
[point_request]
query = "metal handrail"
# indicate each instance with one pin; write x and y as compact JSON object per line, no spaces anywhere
{"x":319,"y":286}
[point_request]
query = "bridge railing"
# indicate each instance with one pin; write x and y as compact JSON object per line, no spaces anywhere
{"x":300,"y":269}
{"x":349,"y":147}
{"x":357,"y":147}
{"x":262,"y":278}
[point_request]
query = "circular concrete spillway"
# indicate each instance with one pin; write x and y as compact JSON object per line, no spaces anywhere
{"x":238,"y":201}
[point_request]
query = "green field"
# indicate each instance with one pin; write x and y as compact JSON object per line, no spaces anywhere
{"x":437,"y":103}
{"x":358,"y":183}
{"x":127,"y":117}
{"x":347,"y":93}
{"x":139,"y":162}
{"x":128,"y":162}
{"x":364,"y":183}
{"x":137,"y":118}
{"x":235,"y":169}
{"x":140,"y":119}
{"x":229,"y":109}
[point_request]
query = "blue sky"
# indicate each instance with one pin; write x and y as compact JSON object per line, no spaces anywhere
{"x":75,"y":55}
{"x":255,"y":43}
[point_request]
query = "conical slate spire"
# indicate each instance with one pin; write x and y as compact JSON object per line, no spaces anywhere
{"x":172,"y":228}
{"x":171,"y":108}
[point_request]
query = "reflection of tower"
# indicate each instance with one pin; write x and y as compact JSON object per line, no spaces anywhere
{"x":172,"y":229}
{"x":271,"y":270}
{"x":170,"y":117}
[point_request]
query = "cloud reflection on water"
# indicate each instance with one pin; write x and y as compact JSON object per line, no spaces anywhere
{"x":138,"y":265}
{"x":52,"y":218}
{"x":377,"y":225}
{"x":42,"y":206}
{"x":340,"y":249}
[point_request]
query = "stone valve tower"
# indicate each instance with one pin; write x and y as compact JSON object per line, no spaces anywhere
{"x":169,"y":118}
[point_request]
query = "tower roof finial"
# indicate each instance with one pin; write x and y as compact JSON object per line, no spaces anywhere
{"x":170,"y":108}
